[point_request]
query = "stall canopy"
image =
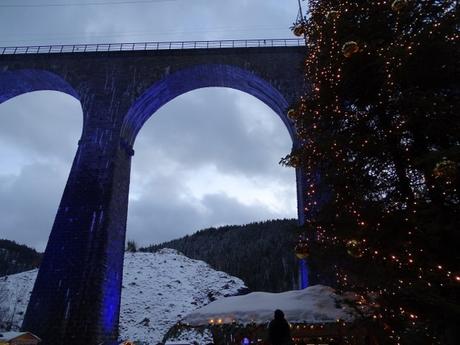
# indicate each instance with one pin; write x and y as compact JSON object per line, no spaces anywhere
{"x":315,"y":304}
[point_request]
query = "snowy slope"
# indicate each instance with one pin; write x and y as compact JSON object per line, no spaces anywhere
{"x":15,"y":292}
{"x":158,"y":290}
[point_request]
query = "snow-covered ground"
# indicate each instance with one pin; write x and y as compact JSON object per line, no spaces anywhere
{"x":159,"y":289}
{"x":190,"y":335}
{"x":315,"y":304}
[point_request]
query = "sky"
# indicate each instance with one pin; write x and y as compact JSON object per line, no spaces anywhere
{"x":179,"y":183}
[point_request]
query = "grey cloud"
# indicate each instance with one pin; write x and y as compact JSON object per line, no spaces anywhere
{"x":180,"y":20}
{"x":42,"y":123}
{"x":206,"y":125}
{"x":29,"y":202}
{"x":225,"y":210}
{"x":156,"y":220}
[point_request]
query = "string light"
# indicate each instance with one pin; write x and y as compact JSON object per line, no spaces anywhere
{"x":331,"y":127}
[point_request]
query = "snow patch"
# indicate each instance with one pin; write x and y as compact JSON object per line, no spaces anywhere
{"x":159,"y":289}
{"x":191,"y":336}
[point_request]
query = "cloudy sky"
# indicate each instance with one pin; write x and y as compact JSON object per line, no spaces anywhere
{"x":179,"y":183}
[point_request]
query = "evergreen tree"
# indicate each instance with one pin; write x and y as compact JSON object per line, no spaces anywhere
{"x":15,"y":258}
{"x":131,"y":246}
{"x":380,"y":128}
{"x":261,"y":253}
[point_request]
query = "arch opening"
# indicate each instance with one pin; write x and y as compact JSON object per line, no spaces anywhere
{"x":39,"y":132}
{"x":207,"y":158}
{"x":210,"y":155}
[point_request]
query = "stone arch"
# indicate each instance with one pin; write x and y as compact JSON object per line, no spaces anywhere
{"x":201,"y":76}
{"x":15,"y":83}
{"x":210,"y":75}
{"x":19,"y":82}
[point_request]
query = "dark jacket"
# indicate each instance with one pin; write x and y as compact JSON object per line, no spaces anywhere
{"x":279,"y":332}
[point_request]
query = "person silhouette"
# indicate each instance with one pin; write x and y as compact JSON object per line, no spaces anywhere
{"x":279,"y":332}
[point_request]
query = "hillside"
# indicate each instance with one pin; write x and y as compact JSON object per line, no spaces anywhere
{"x":261,"y":254}
{"x":158,"y":290}
{"x":15,"y":258}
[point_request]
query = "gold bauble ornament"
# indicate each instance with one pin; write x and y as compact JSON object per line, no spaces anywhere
{"x":292,"y":114}
{"x":350,"y":48}
{"x":398,"y":5}
{"x":298,"y":29}
{"x":294,"y":161}
{"x":355,"y":248}
{"x":445,"y":169}
{"x":301,"y":250}
{"x":332,"y":15}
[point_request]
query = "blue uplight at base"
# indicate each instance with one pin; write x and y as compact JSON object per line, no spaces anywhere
{"x":303,"y":274}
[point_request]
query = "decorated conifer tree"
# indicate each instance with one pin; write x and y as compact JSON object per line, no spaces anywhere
{"x":380,"y":126}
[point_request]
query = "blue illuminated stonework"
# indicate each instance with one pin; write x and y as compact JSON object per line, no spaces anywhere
{"x":303,"y":274}
{"x":76,"y":297}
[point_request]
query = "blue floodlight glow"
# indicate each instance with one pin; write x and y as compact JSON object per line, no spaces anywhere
{"x":197,"y":77}
{"x":15,"y":83}
{"x":303,"y":274}
{"x":112,"y":296}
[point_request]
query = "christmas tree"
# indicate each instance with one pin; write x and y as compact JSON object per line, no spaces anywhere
{"x":380,"y":132}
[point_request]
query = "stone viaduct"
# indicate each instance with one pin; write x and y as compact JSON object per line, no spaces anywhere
{"x":76,"y":297}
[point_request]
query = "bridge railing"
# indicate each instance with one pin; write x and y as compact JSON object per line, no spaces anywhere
{"x":107,"y":47}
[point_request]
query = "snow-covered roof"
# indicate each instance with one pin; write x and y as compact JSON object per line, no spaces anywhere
{"x":8,"y":336}
{"x":315,"y":304}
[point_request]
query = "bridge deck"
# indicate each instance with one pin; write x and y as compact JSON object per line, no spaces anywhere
{"x":105,"y":47}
